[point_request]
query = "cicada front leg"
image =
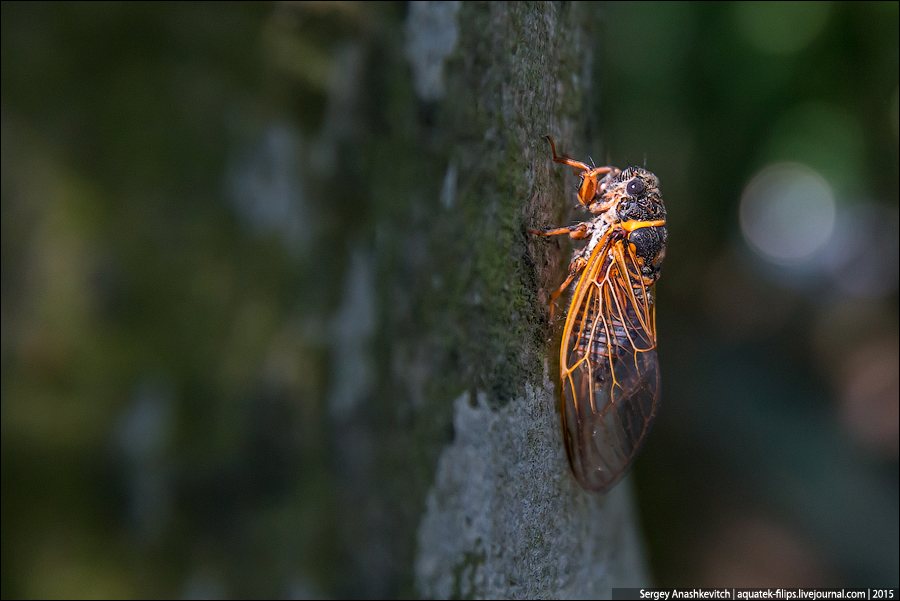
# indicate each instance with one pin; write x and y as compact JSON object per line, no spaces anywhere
{"x":594,"y":181}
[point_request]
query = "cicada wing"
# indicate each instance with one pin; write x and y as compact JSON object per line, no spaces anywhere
{"x":602,"y":443}
{"x":610,"y":375}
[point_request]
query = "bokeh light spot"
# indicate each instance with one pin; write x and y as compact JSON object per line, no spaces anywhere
{"x":787,"y":213}
{"x":781,"y":27}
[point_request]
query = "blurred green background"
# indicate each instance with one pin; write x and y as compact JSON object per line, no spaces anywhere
{"x":773,"y":127}
{"x":166,"y":217}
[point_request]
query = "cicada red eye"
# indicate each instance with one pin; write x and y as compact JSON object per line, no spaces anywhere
{"x":609,"y":370}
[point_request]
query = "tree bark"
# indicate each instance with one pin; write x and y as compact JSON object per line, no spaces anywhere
{"x":451,"y":475}
{"x":313,"y":359}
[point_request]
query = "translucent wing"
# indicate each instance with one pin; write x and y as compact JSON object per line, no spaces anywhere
{"x":608,"y":365}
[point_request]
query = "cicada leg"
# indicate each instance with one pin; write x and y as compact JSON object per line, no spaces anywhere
{"x":575,"y":269}
{"x":594,"y":180}
{"x":567,"y":160}
{"x":579,"y":231}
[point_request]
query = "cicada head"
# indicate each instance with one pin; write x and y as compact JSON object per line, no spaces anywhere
{"x":634,"y":196}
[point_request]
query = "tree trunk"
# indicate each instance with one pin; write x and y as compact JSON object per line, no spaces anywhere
{"x":315,"y":361}
{"x":444,"y":398}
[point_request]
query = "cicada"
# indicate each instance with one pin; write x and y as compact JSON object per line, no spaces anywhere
{"x":608,"y":367}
